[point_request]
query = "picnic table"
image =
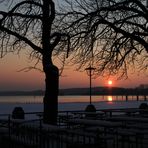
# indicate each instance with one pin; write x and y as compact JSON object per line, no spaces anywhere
{"x":126,"y":111}
{"x":128,"y":119}
{"x":89,"y":122}
{"x":83,"y":114}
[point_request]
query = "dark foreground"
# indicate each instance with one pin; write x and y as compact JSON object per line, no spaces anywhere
{"x":108,"y":128}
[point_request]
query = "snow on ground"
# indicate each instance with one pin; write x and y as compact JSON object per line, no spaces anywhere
{"x":100,"y":105}
{"x":7,"y":108}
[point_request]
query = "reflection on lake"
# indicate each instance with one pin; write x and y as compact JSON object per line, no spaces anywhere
{"x":110,"y":98}
{"x":66,"y":99}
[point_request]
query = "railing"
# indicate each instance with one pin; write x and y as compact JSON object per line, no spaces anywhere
{"x":22,"y":133}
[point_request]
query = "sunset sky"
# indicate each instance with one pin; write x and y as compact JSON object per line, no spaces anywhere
{"x":11,"y":79}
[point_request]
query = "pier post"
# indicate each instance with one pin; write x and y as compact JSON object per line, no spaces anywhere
{"x":145,"y":98}
{"x":126,"y":97}
{"x":137,"y":97}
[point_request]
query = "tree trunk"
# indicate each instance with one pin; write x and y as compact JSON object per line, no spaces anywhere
{"x":51,"y":71}
{"x":51,"y":94}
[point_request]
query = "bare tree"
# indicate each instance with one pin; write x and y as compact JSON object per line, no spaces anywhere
{"x":114,"y":31}
{"x":30,"y":24}
{"x":112,"y":34}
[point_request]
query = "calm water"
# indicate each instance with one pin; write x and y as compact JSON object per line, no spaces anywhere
{"x":66,"y":103}
{"x":65,"y":99}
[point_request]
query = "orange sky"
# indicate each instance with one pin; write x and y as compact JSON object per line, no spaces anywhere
{"x":11,"y":79}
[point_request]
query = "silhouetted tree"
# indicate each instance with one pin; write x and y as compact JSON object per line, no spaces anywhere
{"x":112,"y":34}
{"x":116,"y":31}
{"x":31,"y":24}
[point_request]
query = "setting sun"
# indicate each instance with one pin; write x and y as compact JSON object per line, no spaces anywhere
{"x":110,"y":82}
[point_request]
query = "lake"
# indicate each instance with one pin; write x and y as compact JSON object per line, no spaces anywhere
{"x":65,"y":99}
{"x":66,"y":103}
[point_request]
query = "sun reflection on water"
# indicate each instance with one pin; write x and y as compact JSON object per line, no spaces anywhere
{"x":109,"y":98}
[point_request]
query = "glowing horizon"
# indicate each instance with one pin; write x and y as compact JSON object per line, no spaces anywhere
{"x":11,"y":79}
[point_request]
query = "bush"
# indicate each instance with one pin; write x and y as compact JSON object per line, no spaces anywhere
{"x":18,"y":113}
{"x":143,"y":106}
{"x":90,"y":109}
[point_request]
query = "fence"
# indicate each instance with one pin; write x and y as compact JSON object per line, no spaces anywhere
{"x":20,"y":133}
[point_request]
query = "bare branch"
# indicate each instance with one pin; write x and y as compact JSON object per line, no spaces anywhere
{"x":21,"y":38}
{"x":118,"y":31}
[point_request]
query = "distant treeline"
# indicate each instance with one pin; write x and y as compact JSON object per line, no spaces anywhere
{"x":22,"y":93}
{"x":82,"y":91}
{"x":104,"y":91}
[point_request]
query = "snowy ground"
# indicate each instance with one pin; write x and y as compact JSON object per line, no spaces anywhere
{"x":6,"y":108}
